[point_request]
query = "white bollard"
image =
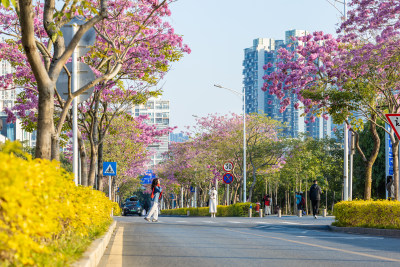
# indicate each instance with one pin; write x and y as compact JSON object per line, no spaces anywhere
{"x":300,"y":213}
{"x":279,"y":213}
{"x":324,"y":213}
{"x":250,"y":212}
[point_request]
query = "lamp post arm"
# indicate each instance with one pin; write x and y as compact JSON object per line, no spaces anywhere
{"x":233,"y":91}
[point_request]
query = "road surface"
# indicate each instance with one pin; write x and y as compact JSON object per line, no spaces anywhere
{"x":270,"y":241}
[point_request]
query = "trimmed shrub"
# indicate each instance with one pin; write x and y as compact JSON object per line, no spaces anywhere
{"x":370,"y":214}
{"x":116,"y":209}
{"x":235,"y":210}
{"x":43,"y":213}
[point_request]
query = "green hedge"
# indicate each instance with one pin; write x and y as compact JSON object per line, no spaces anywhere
{"x":369,"y":214}
{"x":235,"y":210}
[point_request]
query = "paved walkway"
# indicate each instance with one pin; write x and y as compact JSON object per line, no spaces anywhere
{"x":271,"y":241}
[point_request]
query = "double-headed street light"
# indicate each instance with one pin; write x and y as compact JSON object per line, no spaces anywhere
{"x":244,"y":135}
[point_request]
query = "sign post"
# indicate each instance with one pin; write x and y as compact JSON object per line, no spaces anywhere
{"x":394,"y":120}
{"x":88,"y":39}
{"x":109,"y":169}
{"x":228,"y":178}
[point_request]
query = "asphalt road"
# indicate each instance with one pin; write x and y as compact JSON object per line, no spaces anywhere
{"x":270,"y":241}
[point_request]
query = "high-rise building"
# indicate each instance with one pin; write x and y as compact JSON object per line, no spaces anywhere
{"x":264,"y":51}
{"x":157,"y":110}
{"x":7,"y":95}
{"x":178,"y":137}
{"x":11,"y":131}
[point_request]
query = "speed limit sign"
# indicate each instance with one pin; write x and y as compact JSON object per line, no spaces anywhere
{"x":228,"y":166}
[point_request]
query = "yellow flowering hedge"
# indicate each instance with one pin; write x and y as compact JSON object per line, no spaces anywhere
{"x":235,"y":210}
{"x":41,"y":209}
{"x":371,"y":214}
{"x":116,"y":209}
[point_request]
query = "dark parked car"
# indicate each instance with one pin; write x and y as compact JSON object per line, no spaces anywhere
{"x":132,"y":206}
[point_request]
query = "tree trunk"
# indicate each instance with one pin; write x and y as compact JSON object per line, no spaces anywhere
{"x":306,"y":193}
{"x":254,"y":180}
{"x":100,"y":167}
{"x":83,"y":154}
{"x":286,"y":208}
{"x":93,"y":161}
{"x":372,"y":158}
{"x":55,"y":147}
{"x":45,"y":124}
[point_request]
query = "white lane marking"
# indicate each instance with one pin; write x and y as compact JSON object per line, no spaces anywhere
{"x":344,"y":237}
{"x":234,"y":222}
{"x":319,"y":246}
{"x":209,"y":222}
{"x":293,"y":223}
{"x":181,"y":221}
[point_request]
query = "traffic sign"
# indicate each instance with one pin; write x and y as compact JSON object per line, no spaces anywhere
{"x":228,"y":178}
{"x":394,"y":120}
{"x":109,"y":168}
{"x":228,"y":166}
{"x":192,"y":189}
{"x":85,"y":76}
{"x":148,"y":177}
{"x":87,"y":39}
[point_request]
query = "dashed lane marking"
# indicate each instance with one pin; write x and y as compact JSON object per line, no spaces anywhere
{"x":319,"y":246}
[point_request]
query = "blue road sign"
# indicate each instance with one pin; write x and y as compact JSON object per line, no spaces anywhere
{"x":228,"y":178}
{"x":148,"y":177}
{"x":109,"y":168}
{"x":192,"y":189}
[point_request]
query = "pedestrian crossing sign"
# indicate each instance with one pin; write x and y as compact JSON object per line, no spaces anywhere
{"x":109,"y":168}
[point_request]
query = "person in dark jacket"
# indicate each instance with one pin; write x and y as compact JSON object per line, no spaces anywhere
{"x":390,"y":187}
{"x":156,"y":196}
{"x":315,"y":197}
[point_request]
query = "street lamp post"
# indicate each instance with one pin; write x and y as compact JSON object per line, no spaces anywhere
{"x":347,"y":184}
{"x":244,"y":136}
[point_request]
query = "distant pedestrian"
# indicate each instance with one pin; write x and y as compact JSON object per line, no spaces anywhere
{"x":267,"y":204}
{"x":298,"y":201}
{"x":315,"y":197}
{"x":390,"y":187}
{"x":213,"y":202}
{"x":303,"y":203}
{"x":156,"y":196}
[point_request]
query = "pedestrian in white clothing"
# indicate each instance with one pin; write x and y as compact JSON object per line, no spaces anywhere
{"x":156,"y":196}
{"x":213,"y":202}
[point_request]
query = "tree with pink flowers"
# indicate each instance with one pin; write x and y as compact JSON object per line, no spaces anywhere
{"x":216,"y":139}
{"x":133,"y":42}
{"x":127,"y":144}
{"x":347,"y":76}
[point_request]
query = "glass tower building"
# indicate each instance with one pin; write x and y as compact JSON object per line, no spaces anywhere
{"x":264,"y":51}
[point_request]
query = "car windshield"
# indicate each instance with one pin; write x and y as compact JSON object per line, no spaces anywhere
{"x":133,"y":203}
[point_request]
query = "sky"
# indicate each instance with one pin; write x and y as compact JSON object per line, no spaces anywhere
{"x":218,"y":31}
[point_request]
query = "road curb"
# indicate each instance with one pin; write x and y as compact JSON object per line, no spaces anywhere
{"x":94,"y":253}
{"x":368,"y":231}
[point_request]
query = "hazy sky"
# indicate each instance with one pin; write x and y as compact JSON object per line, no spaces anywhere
{"x":218,"y":31}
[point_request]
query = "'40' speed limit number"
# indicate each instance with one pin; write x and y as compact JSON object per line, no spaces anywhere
{"x":228,"y":166}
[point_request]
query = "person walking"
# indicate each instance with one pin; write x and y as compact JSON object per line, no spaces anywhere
{"x":390,"y":187}
{"x":156,"y":196}
{"x":213,"y":202}
{"x":303,"y":203}
{"x":315,"y":197}
{"x":298,"y":201}
{"x":267,"y":205}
